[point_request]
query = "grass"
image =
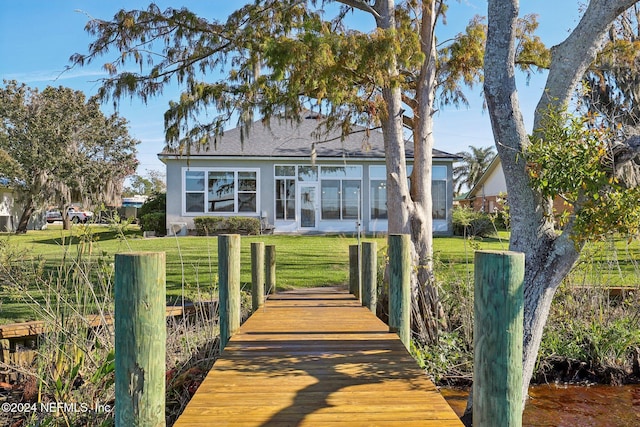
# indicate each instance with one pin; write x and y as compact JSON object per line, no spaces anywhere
{"x":302,"y":260}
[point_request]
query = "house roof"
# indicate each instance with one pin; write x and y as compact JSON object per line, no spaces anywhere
{"x":283,"y":139}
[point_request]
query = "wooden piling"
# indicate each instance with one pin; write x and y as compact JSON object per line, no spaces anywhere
{"x":498,"y":332}
{"x":140,"y":339}
{"x":270,"y":268}
{"x":354,"y":270}
{"x":5,"y":346}
{"x":370,"y":275}
{"x":257,"y":275}
{"x":400,"y":286}
{"x":229,"y":283}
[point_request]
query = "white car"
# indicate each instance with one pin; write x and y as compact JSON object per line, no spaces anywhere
{"x":77,"y":215}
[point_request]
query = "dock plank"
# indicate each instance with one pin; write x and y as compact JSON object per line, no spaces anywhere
{"x":316,"y":357}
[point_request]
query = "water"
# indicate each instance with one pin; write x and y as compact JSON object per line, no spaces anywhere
{"x":572,"y":406}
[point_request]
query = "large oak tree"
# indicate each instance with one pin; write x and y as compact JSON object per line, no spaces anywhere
{"x":63,"y":148}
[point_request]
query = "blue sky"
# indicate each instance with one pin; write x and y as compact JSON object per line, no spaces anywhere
{"x":37,"y":37}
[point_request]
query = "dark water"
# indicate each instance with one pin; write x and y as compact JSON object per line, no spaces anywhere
{"x":572,"y":406}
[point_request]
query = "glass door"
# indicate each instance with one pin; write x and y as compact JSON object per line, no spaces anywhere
{"x":308,"y":202}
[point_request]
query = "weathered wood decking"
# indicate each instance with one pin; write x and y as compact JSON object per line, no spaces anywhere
{"x":313,"y":358}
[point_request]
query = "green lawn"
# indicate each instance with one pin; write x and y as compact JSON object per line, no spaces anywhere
{"x":302,"y":261}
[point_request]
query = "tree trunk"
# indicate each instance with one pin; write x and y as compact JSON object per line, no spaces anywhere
{"x":429,"y":312}
{"x":26,"y":215}
{"x":410,"y":210}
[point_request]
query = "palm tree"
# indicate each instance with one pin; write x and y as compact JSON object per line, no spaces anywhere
{"x":473,"y":165}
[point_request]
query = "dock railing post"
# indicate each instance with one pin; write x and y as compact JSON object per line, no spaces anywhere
{"x":400,"y":286}
{"x":354,"y":270}
{"x":370,"y":275}
{"x":257,"y":275}
{"x":229,"y":286}
{"x":497,"y":337}
{"x":270,"y":268}
{"x":140,"y":339}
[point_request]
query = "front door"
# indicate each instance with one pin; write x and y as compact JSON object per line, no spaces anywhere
{"x":308,"y":202}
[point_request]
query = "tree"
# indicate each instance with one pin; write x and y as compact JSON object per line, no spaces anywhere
{"x":66,"y":148}
{"x":611,"y":83}
{"x":284,"y":56}
{"x":153,"y":182}
{"x":10,"y":170}
{"x":474,"y":163}
{"x":549,"y":253}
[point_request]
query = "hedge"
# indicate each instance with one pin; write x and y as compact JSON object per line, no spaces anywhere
{"x":155,"y":221}
{"x":214,"y":225}
{"x":471,"y":223}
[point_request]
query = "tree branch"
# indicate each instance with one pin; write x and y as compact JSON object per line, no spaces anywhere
{"x":361,"y":5}
{"x":570,"y":59}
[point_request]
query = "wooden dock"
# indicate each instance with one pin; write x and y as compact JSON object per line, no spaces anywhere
{"x":316,"y":357}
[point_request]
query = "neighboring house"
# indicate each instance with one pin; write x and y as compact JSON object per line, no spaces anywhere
{"x":489,"y":194}
{"x":294,"y":182}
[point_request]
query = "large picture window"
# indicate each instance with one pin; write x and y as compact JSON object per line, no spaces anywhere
{"x":226,"y":191}
{"x":378,"y":191}
{"x":340,"y":192}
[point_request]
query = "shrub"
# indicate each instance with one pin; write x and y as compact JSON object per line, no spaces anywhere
{"x":153,"y":215}
{"x":155,"y":203}
{"x":156,"y":221}
{"x":468,"y":222}
{"x":213,"y":225}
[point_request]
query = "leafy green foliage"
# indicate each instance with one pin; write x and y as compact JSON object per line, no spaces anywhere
{"x":471,"y":223}
{"x":154,"y":221}
{"x":587,"y":325}
{"x":156,"y":203}
{"x":570,"y":159}
{"x":153,"y":216}
{"x":449,"y":357}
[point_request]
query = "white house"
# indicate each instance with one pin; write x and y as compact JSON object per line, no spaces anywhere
{"x":295,"y":182}
{"x":8,"y":212}
{"x":488,"y":193}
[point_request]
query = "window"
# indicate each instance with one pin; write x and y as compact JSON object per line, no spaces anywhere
{"x":247,"y":191}
{"x":227,"y":191}
{"x":285,"y":186}
{"x":330,"y":205}
{"x":194,"y":196}
{"x":439,"y":192}
{"x":350,"y":199}
{"x":307,"y":173}
{"x":340,"y":198}
{"x":378,"y":192}
{"x":221,"y":192}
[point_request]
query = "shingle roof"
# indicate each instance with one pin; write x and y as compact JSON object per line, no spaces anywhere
{"x":283,"y":139}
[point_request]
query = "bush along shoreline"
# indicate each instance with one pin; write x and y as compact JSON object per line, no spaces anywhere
{"x":592,"y":337}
